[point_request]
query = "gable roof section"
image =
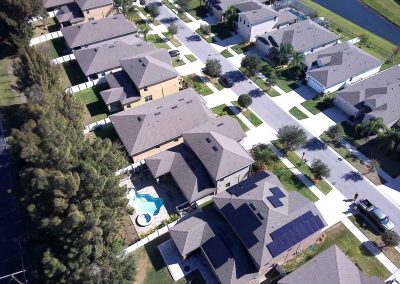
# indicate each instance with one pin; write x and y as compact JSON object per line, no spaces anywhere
{"x":220,"y":154}
{"x":91,"y":4}
{"x":70,"y":13}
{"x":303,"y":36}
{"x":330,"y":267}
{"x":150,"y":68}
{"x":210,"y":232}
{"x":381,"y":92}
{"x":48,"y":4}
{"x":121,"y":89}
{"x":223,"y":5}
{"x":107,"y":57}
{"x":340,"y":62}
{"x":256,"y":210}
{"x":97,"y":31}
{"x":154,"y":123}
{"x":261,"y":15}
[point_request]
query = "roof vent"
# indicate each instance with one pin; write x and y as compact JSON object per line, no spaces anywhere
{"x":260,"y":216}
{"x":208,"y":140}
{"x":188,"y":102}
{"x":115,"y":17}
{"x":159,"y":107}
{"x":174,"y":107}
{"x":94,"y":23}
{"x":144,"y":65}
{"x":215,"y":148}
{"x":220,"y":124}
{"x":157,"y":113}
{"x":111,"y":46}
{"x":252,"y":206}
{"x":180,"y":100}
{"x":139,"y":118}
{"x":96,"y":49}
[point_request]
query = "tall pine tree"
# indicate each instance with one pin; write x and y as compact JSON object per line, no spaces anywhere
{"x":68,"y":185}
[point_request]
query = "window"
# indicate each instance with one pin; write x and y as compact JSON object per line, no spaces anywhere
{"x":87,"y":12}
{"x":145,"y":89}
{"x":91,"y":19}
{"x":148,"y":98}
{"x":244,"y":22}
{"x":228,"y":184}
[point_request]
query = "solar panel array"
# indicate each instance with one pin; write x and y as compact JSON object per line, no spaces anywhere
{"x":294,"y":232}
{"x":216,"y":251}
{"x":277,"y":192}
{"x":275,"y":198}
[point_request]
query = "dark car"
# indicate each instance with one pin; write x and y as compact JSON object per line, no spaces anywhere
{"x":174,"y":53}
{"x":226,"y":81}
{"x":196,"y":37}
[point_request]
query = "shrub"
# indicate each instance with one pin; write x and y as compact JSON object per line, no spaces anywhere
{"x":292,"y":137}
{"x":213,"y":68}
{"x":245,"y":100}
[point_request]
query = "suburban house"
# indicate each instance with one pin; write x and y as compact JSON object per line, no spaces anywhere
{"x":342,"y":64}
{"x":376,"y":96}
{"x":253,"y":226}
{"x":331,"y":266}
{"x":255,"y":19}
{"x":80,"y":11}
{"x":94,"y":32}
{"x":305,"y":36}
{"x":219,"y":7}
{"x":209,"y":161}
{"x":144,"y":77}
{"x":156,"y":126}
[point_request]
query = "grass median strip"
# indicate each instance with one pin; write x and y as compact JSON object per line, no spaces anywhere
{"x":176,"y":61}
{"x":190,"y":57}
{"x":322,"y":185}
{"x":225,"y":110}
{"x":249,"y":115}
{"x":225,"y":53}
{"x":157,"y":40}
{"x":195,"y":82}
{"x":172,"y":39}
{"x":297,"y":113}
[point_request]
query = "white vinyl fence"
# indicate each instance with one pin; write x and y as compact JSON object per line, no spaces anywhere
{"x":86,"y":85}
{"x":97,"y":124}
{"x":44,"y":38}
{"x":63,"y":59}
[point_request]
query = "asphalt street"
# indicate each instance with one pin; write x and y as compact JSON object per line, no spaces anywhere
{"x":343,"y":177}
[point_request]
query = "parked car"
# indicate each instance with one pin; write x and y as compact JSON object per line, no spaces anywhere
{"x":196,"y":37}
{"x":174,"y":53}
{"x":226,"y":81}
{"x":376,"y":214}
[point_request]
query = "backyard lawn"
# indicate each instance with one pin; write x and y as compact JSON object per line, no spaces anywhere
{"x":157,"y":40}
{"x":196,"y":83}
{"x":297,"y":113}
{"x":249,"y":115}
{"x":108,"y":131}
{"x":74,"y":72}
{"x":40,"y":29}
{"x":373,"y":234}
{"x":226,"y":53}
{"x":8,"y":96}
{"x":190,"y":57}
{"x":349,"y":244}
{"x":95,"y":108}
{"x":225,"y":110}
{"x":318,"y":103}
{"x":322,"y":185}
{"x":55,"y":47}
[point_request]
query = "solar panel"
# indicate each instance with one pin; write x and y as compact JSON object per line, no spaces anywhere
{"x":275,"y":201}
{"x":277,"y":192}
{"x":216,"y":251}
{"x":294,"y":232}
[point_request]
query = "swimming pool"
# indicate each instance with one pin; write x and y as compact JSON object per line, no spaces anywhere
{"x":298,"y":14}
{"x":145,"y":203}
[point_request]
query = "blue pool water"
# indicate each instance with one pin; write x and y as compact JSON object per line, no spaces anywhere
{"x":145,"y":203}
{"x":298,"y":14}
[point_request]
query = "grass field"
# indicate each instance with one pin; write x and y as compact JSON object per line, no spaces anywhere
{"x":225,"y":110}
{"x":249,"y":115}
{"x":297,"y":113}
{"x":349,"y":244}
{"x":389,"y":9}
{"x":8,"y":96}
{"x":195,"y":82}
{"x":95,"y":108}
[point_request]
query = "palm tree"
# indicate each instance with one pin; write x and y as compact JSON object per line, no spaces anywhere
{"x":284,"y":53}
{"x":390,"y":140}
{"x":295,"y":63}
{"x":366,"y":128}
{"x":230,"y":16}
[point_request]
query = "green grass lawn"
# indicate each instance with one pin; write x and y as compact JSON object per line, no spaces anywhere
{"x":184,"y":18}
{"x":225,"y":110}
{"x":285,"y":80}
{"x":133,"y":16}
{"x":383,"y":47}
{"x":226,"y":53}
{"x":190,"y":57}
{"x":95,"y":108}
{"x":215,"y":82}
{"x":249,"y":115}
{"x":195,"y":82}
{"x":197,"y":9}
{"x":55,"y":47}
{"x":389,"y":9}
{"x":221,"y":30}
{"x":8,"y":96}
{"x":176,"y":61}
{"x":208,"y":38}
{"x":297,"y":113}
{"x":272,"y":92}
{"x":242,"y":47}
{"x":74,"y":72}
{"x":172,"y":39}
{"x":376,"y":237}
{"x":157,"y":40}
{"x":349,"y":244}
{"x":316,"y":105}
{"x":168,"y":4}
{"x":303,"y":168}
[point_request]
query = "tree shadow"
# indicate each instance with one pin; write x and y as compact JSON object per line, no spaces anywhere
{"x":256,"y":93}
{"x":314,"y":144}
{"x":236,"y":76}
{"x":353,"y":176}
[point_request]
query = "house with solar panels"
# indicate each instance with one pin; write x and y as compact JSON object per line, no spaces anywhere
{"x":253,"y":226}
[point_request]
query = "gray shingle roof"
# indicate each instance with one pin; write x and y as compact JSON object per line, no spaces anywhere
{"x":340,"y":62}
{"x":303,"y":36}
{"x":247,"y":6}
{"x":220,"y":154}
{"x":121,"y":89}
{"x":330,"y":267}
{"x":70,"y":13}
{"x":185,"y":168}
{"x":149,"y":69}
{"x":286,"y":18}
{"x":154,"y":123}
{"x":381,"y":91}
{"x":260,"y":15}
{"x":224,"y":5}
{"x":226,"y":254}
{"x":254,"y":192}
{"x":90,"y":4}
{"x":48,"y":4}
{"x":107,"y":57}
{"x":97,"y":31}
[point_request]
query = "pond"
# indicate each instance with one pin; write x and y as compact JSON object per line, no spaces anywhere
{"x":356,"y":12}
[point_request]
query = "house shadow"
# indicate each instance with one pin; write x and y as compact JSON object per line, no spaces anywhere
{"x":235,"y":39}
{"x":353,"y":176}
{"x":210,"y":19}
{"x":314,"y":144}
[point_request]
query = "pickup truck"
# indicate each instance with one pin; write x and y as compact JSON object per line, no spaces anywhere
{"x":376,"y":214}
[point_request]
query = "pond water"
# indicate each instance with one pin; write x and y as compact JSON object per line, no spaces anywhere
{"x":356,"y":12}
